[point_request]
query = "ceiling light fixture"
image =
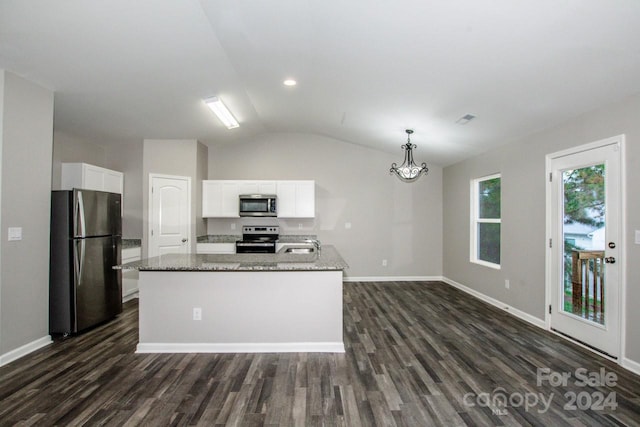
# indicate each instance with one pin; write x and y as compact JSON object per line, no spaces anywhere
{"x":408,"y":171}
{"x":223,"y":113}
{"x":289,"y":82}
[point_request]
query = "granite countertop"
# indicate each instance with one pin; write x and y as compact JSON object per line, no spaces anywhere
{"x":295,"y":238}
{"x":219,"y":238}
{"x":327,"y":259}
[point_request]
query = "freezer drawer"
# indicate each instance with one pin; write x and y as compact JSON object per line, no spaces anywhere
{"x":98,"y":287}
{"x":85,"y":290}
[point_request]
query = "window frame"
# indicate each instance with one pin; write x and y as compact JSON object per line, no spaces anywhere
{"x":476,"y":220}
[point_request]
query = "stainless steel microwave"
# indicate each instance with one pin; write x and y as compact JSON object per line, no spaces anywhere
{"x":258,"y":205}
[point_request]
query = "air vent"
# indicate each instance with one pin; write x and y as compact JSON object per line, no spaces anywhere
{"x":465,"y":119}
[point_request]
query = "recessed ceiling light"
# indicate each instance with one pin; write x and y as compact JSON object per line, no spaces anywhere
{"x":289,"y":82}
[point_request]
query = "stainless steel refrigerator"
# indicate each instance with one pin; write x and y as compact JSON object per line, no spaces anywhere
{"x":86,"y":242}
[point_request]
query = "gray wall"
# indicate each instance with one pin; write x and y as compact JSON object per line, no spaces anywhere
{"x":202,"y":172}
{"x":181,"y":157}
{"x":390,"y":220}
{"x":120,"y":156}
{"x":523,"y":212}
{"x":26,"y":140}
{"x":70,"y":149}
{"x":127,"y":158}
{"x":2,"y":101}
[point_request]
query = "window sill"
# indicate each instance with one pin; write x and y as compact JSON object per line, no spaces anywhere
{"x":486,"y":264}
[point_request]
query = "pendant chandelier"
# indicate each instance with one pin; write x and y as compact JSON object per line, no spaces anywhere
{"x":408,"y":171}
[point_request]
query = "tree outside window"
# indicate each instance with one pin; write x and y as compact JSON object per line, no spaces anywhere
{"x":584,"y":203}
{"x":486,"y":221}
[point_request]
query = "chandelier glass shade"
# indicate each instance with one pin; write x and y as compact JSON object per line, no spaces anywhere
{"x":408,"y":171}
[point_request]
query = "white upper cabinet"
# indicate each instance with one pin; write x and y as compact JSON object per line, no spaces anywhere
{"x":90,"y":177}
{"x":113,"y":181}
{"x":286,"y":203}
{"x":305,"y":199}
{"x":256,"y":187}
{"x":296,"y":199}
{"x":220,"y":199}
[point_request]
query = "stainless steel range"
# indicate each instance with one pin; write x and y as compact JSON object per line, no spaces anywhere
{"x":258,"y":239}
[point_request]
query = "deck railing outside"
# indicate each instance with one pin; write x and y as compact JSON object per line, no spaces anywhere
{"x":587,"y":280}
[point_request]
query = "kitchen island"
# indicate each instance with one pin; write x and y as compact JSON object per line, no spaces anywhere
{"x":216,"y":303}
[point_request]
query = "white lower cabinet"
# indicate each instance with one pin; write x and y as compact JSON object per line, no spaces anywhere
{"x":130,"y":277}
{"x":216,"y":248}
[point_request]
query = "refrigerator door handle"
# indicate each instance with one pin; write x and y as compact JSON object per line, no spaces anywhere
{"x":81,"y":229}
{"x":79,"y":261}
{"x":76,"y":261}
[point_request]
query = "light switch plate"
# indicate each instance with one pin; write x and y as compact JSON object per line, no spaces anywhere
{"x":637,"y":237}
{"x":15,"y":233}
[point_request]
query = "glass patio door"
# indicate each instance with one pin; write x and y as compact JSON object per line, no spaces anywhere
{"x":585,"y":266}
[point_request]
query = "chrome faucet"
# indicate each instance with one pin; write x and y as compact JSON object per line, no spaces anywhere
{"x":315,"y":243}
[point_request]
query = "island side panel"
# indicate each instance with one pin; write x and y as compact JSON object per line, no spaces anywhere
{"x":262,"y":311}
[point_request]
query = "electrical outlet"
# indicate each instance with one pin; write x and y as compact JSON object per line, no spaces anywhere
{"x":233,"y":225}
{"x":507,"y":284}
{"x":197,"y":313}
{"x":299,"y":226}
{"x":384,"y":262}
{"x":15,"y":233}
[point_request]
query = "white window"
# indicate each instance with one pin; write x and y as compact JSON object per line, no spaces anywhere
{"x":485,"y":220}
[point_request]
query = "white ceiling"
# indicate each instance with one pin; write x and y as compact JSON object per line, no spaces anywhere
{"x":127,"y":70}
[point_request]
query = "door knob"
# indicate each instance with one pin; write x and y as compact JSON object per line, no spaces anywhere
{"x":184,"y":240}
{"x":610,"y":260}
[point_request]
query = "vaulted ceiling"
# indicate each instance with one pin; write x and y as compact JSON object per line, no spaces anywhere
{"x":126,"y":70}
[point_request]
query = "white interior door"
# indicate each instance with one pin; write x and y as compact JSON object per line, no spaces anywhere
{"x":585,"y":266}
{"x":169,"y":214}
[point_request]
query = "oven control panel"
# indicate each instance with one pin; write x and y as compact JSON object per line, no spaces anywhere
{"x":260,"y":229}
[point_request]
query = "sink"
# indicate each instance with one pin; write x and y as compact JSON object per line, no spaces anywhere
{"x":299,"y":250}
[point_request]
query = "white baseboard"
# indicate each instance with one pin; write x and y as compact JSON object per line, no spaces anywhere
{"x":294,"y":347}
{"x":631,"y":365}
{"x":394,"y":279}
{"x":24,"y":350}
{"x":130,"y":295}
{"x":540,"y":323}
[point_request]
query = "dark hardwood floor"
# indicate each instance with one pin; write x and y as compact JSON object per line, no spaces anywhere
{"x":418,"y":354}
